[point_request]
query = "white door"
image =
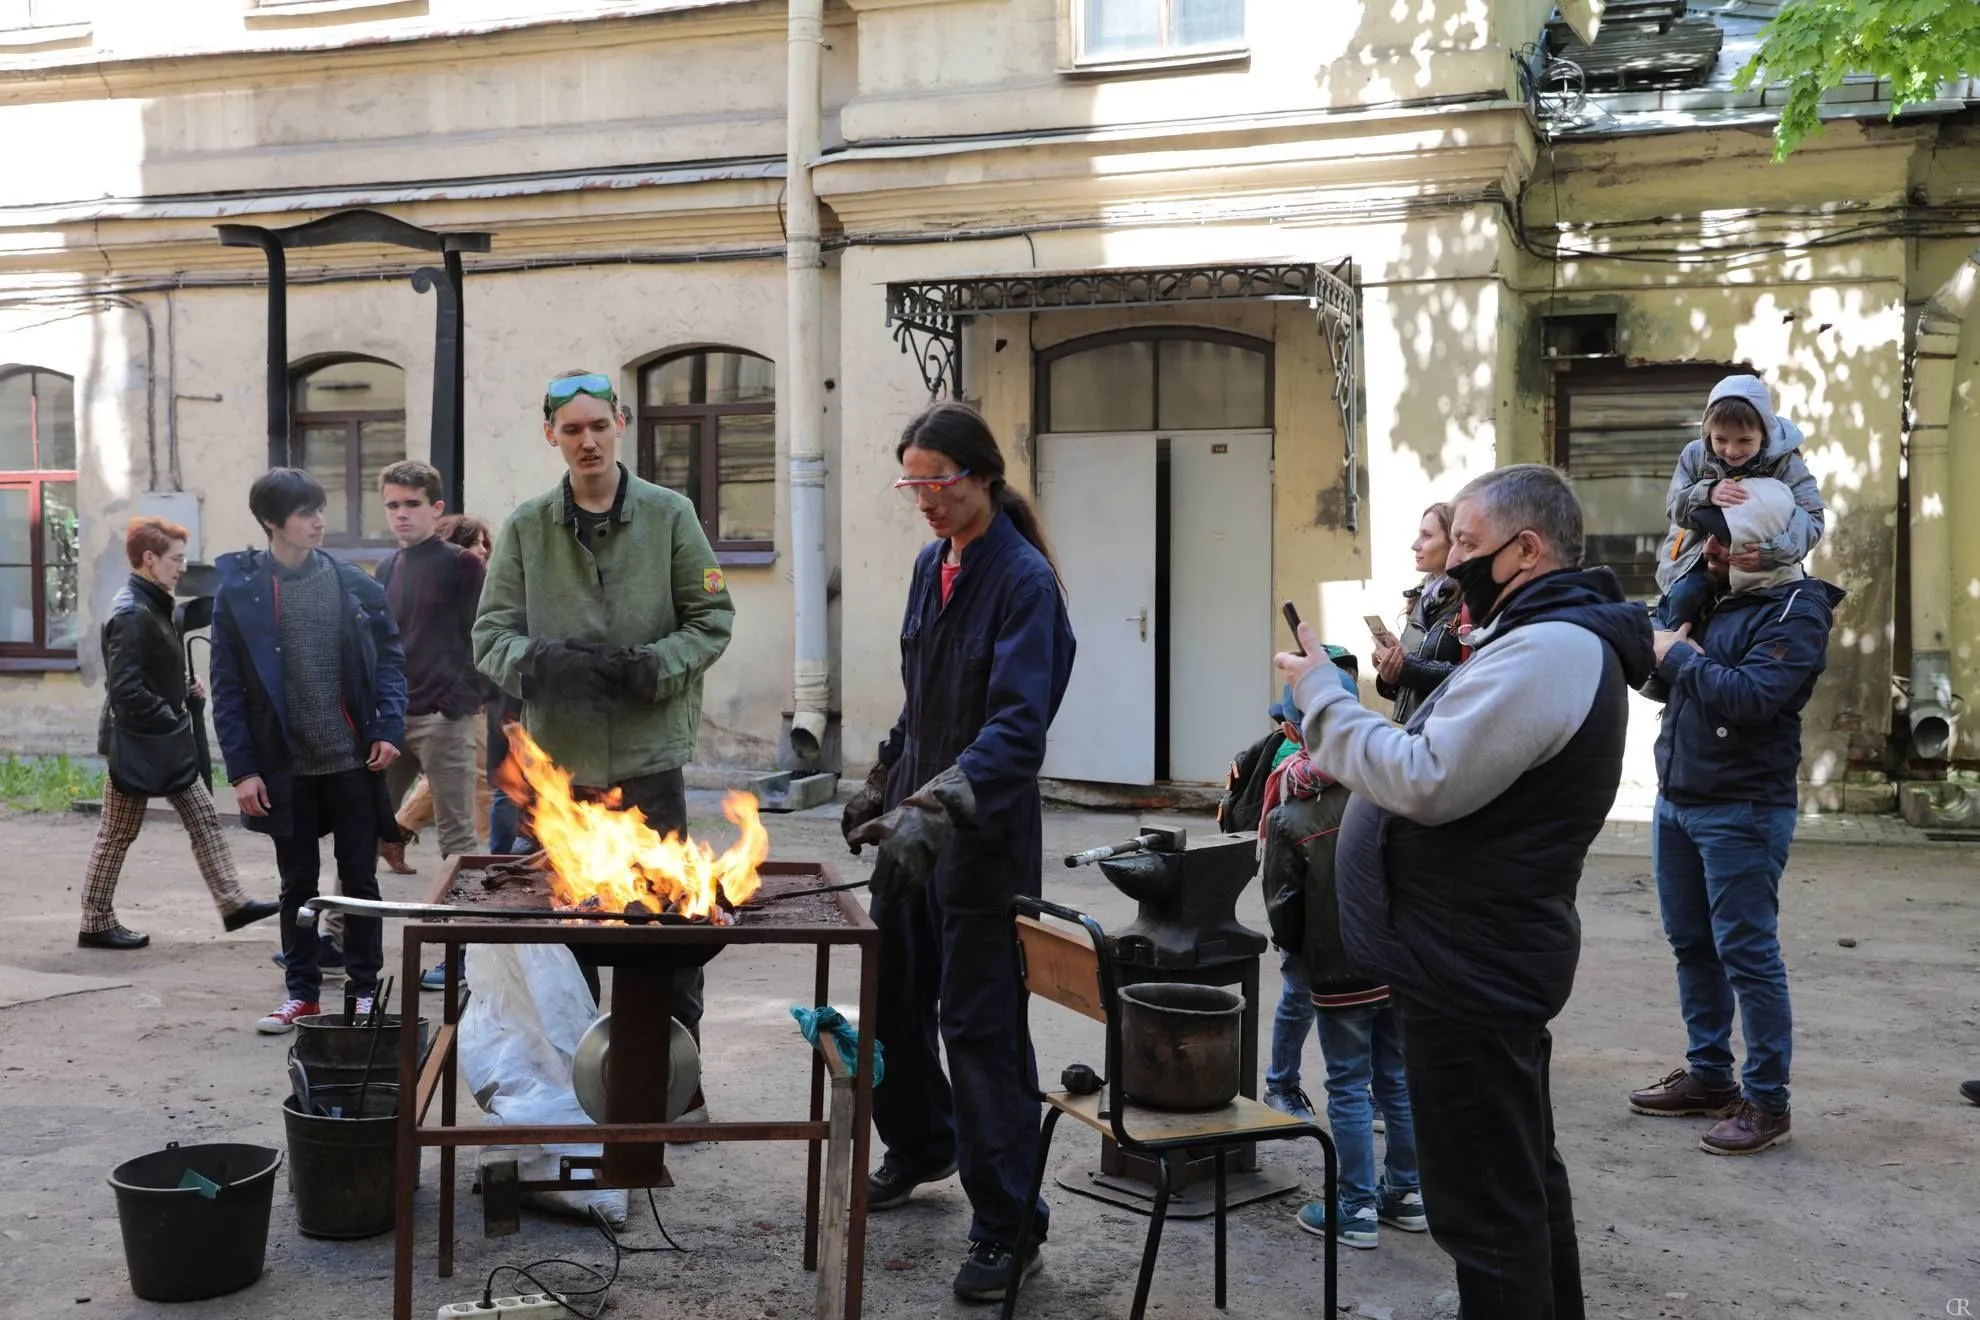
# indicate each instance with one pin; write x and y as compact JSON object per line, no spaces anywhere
{"x":1096,"y":498}
{"x":1220,"y":598}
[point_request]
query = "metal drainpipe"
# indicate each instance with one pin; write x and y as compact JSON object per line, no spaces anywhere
{"x":812,"y":690}
{"x":1943,"y":330}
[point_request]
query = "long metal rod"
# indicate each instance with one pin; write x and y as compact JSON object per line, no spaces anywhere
{"x":372,"y":907}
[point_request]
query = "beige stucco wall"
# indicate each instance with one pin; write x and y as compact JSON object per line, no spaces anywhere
{"x":1016,"y":74}
{"x":1430,"y":382}
{"x":1824,"y":325}
{"x":523,"y":328}
{"x":1306,"y":150}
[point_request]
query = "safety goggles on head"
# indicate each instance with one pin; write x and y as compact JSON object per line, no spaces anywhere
{"x":911,"y":487}
{"x":565,"y":388}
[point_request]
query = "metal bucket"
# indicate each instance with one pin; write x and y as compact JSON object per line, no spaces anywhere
{"x":334,"y":1054}
{"x":343,"y":1171}
{"x":1180,"y":1044}
{"x":188,"y":1243}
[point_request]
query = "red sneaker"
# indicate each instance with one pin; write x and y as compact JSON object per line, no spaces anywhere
{"x":283,"y":1020}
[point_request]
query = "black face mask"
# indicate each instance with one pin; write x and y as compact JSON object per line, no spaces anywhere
{"x":1479,"y":590}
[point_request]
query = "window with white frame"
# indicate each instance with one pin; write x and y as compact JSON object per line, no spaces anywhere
{"x":36,"y":22}
{"x":1138,"y":31}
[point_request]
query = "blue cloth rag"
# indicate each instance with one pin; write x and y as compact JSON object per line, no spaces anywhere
{"x":811,"y":1021}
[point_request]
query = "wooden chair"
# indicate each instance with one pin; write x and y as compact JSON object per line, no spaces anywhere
{"x":1076,"y":973}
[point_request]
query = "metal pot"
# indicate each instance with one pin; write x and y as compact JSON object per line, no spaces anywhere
{"x":1180,"y":1045}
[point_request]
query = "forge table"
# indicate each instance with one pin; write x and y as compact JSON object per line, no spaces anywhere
{"x":642,"y":957}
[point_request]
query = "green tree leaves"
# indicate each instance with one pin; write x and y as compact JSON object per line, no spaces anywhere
{"x":1814,"y":44}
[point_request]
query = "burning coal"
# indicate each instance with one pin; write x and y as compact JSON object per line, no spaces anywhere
{"x":602,"y":856}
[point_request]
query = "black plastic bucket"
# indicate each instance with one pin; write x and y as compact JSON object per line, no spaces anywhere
{"x":333,"y":1054}
{"x":343,"y":1170}
{"x":183,"y":1244}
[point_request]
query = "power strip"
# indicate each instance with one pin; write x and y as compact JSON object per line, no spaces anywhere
{"x":504,"y":1307}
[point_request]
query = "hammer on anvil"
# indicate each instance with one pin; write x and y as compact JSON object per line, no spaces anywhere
{"x":1151,"y":839}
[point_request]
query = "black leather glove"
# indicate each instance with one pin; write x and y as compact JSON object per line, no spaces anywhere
{"x":911,"y":836}
{"x":865,"y":805}
{"x":579,"y":673}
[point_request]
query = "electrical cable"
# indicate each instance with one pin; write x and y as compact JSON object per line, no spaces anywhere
{"x":619,"y":1252}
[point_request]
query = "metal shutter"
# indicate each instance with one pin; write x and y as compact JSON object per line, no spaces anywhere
{"x":1620,"y":434}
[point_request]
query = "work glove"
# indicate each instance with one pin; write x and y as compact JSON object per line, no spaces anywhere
{"x":865,"y":805}
{"x":578,"y":673}
{"x":911,"y":836}
{"x":640,"y":671}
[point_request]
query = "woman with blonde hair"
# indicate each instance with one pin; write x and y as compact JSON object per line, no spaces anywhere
{"x":1430,"y":647}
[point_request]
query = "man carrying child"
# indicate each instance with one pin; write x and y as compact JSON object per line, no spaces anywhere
{"x":1728,"y":751}
{"x":1743,"y":439}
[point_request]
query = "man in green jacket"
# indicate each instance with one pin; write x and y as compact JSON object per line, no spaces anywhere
{"x":602,"y":609}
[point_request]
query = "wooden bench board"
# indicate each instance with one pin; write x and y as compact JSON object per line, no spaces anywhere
{"x":1239,"y":1118}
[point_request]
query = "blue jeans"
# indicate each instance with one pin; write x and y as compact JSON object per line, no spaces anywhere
{"x":504,"y":824}
{"x":1291,"y":1022}
{"x":1364,"y":1048}
{"x":1719,"y":884}
{"x":1687,"y":599}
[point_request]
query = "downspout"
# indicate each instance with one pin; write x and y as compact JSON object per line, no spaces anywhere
{"x":1936,"y":410}
{"x":812,"y":687}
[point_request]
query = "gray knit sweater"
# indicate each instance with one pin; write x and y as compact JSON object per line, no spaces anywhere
{"x":309,"y":608}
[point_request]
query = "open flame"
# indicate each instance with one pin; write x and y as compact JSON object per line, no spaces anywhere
{"x":602,"y":856}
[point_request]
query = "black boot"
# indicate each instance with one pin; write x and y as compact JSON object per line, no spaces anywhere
{"x":114,"y":938}
{"x":255,"y":909}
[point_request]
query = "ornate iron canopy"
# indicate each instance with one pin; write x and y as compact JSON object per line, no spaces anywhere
{"x":927,"y":316}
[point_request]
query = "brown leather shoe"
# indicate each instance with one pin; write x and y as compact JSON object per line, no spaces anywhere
{"x":1680,"y":1094}
{"x":394,"y":855}
{"x":1748,"y":1131}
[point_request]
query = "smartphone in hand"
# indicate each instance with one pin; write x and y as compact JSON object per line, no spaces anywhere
{"x":1379,"y":630}
{"x":1292,"y":622}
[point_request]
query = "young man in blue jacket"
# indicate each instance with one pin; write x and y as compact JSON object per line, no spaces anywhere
{"x":309,"y":698}
{"x":1727,"y":757}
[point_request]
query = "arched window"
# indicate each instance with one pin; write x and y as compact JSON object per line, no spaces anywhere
{"x":1165,"y":378}
{"x":347,"y":424}
{"x":708,"y":429}
{"x":38,"y":585}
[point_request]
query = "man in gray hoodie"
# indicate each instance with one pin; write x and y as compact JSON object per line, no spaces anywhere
{"x":1457,"y":864}
{"x":1742,"y":438}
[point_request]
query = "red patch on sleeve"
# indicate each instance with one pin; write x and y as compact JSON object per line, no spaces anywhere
{"x":712,"y":580}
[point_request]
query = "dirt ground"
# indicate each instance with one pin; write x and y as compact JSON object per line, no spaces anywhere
{"x":1869,"y":1213}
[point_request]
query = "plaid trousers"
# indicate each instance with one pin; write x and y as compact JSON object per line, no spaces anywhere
{"x":123,"y":817}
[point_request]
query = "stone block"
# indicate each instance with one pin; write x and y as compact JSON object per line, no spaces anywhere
{"x":785,"y":792}
{"x":1939,"y":805}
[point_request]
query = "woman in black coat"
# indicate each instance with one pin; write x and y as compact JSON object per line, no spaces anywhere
{"x":1430,"y":647}
{"x":146,"y":735}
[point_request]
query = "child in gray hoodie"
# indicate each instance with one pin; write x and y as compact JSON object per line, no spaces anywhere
{"x":1743,"y":438}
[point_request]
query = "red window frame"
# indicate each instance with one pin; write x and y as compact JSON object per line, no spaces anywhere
{"x":33,"y":480}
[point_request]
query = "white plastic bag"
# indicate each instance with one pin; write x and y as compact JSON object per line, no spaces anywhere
{"x":529,"y":1007}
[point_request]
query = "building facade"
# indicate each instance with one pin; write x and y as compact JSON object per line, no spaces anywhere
{"x":1242,"y":287}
